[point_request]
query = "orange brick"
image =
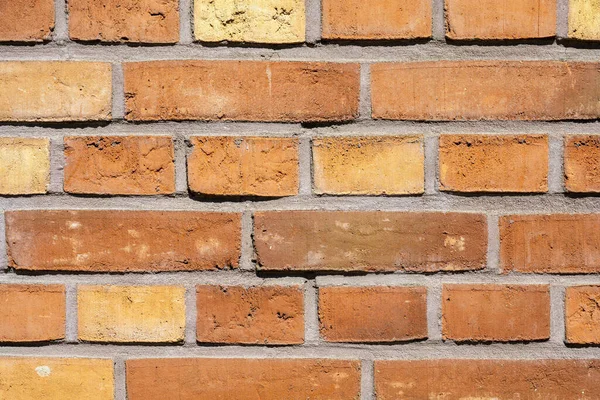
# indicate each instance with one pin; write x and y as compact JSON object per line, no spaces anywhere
{"x":265,"y":379}
{"x":369,"y":241}
{"x":241,"y":91}
{"x":376,"y":19}
{"x":487,"y":379}
{"x":369,"y":165}
{"x":491,"y":19}
{"x":499,"y":313}
{"x":255,"y":315}
{"x":373,"y":314}
{"x":582,"y":315}
{"x":32,"y":313}
{"x":582,"y":164}
{"x":26,"y":20}
{"x":120,"y":241}
{"x":145,"y":21}
{"x":485,"y":90}
{"x":137,"y":165}
{"x":478,"y":163}
{"x":229,"y":166}
{"x":558,"y":243}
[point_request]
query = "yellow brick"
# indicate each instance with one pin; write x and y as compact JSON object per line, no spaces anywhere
{"x":584,"y":19}
{"x":369,"y":165}
{"x":258,"y":21}
{"x":129,"y":314}
{"x":56,"y":379}
{"x":24,"y":166}
{"x":55,"y":91}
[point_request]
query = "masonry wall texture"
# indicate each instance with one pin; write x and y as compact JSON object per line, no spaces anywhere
{"x":299,"y":199}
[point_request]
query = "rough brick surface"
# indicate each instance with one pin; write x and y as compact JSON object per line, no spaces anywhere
{"x":369,"y":241}
{"x":373,"y":314}
{"x":118,"y":241}
{"x":257,"y":21}
{"x":241,"y":91}
{"x":487,"y":379}
{"x":376,"y":19}
{"x":491,"y":19}
{"x":559,"y":243}
{"x":478,"y":163}
{"x":485,"y":90}
{"x":32,"y":313}
{"x":584,"y":19}
{"x":230,"y":166}
{"x":582,"y":164}
{"x":139,"y":165}
{"x":369,"y":165}
{"x":55,"y":91}
{"x":131,"y":314}
{"x":24,"y":166}
{"x":265,"y":379}
{"x":56,"y":378}
{"x":582,"y":315}
{"x":146,"y":21}
{"x":255,"y":315}
{"x":26,"y":20}
{"x":502,"y":313}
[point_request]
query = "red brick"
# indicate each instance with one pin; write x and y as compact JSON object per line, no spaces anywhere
{"x":255,"y":315}
{"x":582,"y":164}
{"x":582,"y":315}
{"x":119,"y":241}
{"x":264,"y":379}
{"x":485,"y":90}
{"x":559,"y":243}
{"x":499,"y":313}
{"x":136,"y":165}
{"x":373,"y":314}
{"x":487,"y":379}
{"x":376,"y":19}
{"x":241,"y":91}
{"x":26,"y":20}
{"x":32,"y":313}
{"x":369,"y":241}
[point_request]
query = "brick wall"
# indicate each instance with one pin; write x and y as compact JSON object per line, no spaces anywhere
{"x":292,"y":199}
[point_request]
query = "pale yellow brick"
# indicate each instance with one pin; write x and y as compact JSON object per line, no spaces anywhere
{"x":369,"y":165}
{"x":24,"y":166}
{"x":130,"y":314}
{"x":258,"y":21}
{"x":584,"y":19}
{"x":56,"y":378}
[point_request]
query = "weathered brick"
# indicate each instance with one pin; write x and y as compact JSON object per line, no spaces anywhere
{"x":255,"y":315}
{"x":131,"y":314}
{"x":24,"y":166}
{"x":26,"y":20}
{"x":488,"y":163}
{"x":369,"y":241}
{"x":487,"y":379}
{"x":491,"y":19}
{"x":136,"y":165}
{"x":55,"y":91}
{"x":249,"y":166}
{"x":26,"y":378}
{"x":32,"y":313}
{"x":582,"y":315}
{"x":369,"y":165}
{"x":119,"y":241}
{"x":373,"y":314}
{"x":584,"y":19}
{"x":241,"y":91}
{"x":558,"y":243}
{"x":144,"y":21}
{"x":376,"y":19}
{"x":485,"y":90}
{"x":495,"y":313}
{"x":254,"y":21}
{"x":582,"y":164}
{"x":265,"y":379}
